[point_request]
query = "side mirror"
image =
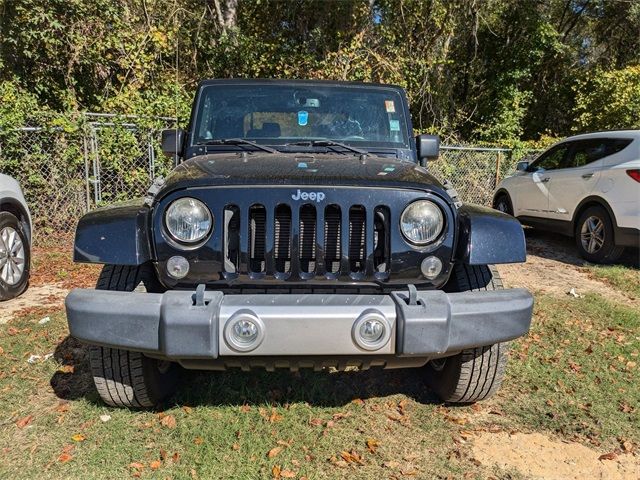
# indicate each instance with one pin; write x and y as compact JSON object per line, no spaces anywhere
{"x":522,"y":166}
{"x":172,"y":142}
{"x":428,"y":147}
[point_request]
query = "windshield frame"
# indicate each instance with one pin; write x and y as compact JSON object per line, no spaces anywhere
{"x":406,"y":152}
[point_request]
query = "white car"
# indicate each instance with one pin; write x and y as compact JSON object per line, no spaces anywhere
{"x":15,"y":239}
{"x":587,"y":186}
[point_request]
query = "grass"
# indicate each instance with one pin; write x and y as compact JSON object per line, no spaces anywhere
{"x":575,"y":376}
{"x":619,"y":277}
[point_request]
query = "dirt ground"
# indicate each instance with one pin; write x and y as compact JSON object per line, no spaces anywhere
{"x":552,"y":268}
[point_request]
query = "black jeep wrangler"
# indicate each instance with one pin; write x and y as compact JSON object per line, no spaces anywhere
{"x":300,"y":228}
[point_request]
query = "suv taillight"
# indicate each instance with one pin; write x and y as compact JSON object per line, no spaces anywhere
{"x":635,"y":174}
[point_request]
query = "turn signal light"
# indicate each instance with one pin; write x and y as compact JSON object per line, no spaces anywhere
{"x":635,"y":174}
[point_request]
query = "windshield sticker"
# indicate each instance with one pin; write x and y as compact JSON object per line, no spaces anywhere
{"x":390,"y":106}
{"x":394,"y":125}
{"x":303,"y":118}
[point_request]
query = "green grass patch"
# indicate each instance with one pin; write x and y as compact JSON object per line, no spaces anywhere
{"x":620,"y":277}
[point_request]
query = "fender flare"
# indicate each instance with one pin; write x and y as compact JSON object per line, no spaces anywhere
{"x":487,"y":236}
{"x":592,"y":199}
{"x":13,"y":205}
{"x":117,"y":235}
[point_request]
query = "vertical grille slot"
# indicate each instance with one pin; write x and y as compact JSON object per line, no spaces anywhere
{"x":381,"y":239}
{"x":357,"y":231}
{"x":231,"y":238}
{"x":257,"y":237}
{"x":332,"y":240}
{"x":307,"y":244}
{"x":282,"y":239}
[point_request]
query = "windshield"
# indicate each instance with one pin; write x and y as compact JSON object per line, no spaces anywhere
{"x":285,"y":114}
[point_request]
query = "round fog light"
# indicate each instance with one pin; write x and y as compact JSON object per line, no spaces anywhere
{"x":431,"y":267}
{"x":371,"y":331}
{"x":244,"y":331}
{"x":177,"y":267}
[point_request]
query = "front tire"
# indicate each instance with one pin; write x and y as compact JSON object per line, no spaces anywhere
{"x":503,"y":204}
{"x":594,"y":236}
{"x":124,"y":378}
{"x":474,"y":374}
{"x":15,"y":257}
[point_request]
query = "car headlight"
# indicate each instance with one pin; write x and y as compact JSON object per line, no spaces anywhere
{"x":188,"y":220}
{"x":422,"y":222}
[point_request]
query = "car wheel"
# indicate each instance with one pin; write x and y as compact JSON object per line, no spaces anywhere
{"x":476,"y":373}
{"x":15,"y":257}
{"x":503,"y":204}
{"x":124,"y":378}
{"x":594,"y":236}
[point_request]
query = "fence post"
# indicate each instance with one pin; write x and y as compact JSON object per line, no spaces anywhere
{"x":498,"y":161}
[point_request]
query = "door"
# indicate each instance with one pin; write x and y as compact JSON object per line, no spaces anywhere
{"x":568,"y":186}
{"x":530,"y":192}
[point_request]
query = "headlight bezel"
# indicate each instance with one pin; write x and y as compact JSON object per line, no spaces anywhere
{"x":179,"y":242}
{"x":437,"y":238}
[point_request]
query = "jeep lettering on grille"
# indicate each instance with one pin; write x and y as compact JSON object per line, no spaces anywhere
{"x":314,"y":196}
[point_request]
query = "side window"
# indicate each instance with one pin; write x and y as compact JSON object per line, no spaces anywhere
{"x":551,"y":160}
{"x":588,"y":151}
{"x":615,"y":145}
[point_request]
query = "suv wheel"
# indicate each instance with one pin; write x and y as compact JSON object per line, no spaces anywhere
{"x":124,"y":378}
{"x":474,"y":374}
{"x":594,"y":236}
{"x":15,"y":257}
{"x":503,"y":204}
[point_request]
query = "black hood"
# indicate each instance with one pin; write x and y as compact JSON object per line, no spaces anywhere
{"x":298,"y":169}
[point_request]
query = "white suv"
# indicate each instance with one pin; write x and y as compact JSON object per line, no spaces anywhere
{"x":587,"y":186}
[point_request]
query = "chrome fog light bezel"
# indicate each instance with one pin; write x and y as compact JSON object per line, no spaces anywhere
{"x":371,"y":315}
{"x":230,"y":337}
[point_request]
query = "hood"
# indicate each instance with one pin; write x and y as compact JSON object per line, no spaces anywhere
{"x":298,"y":169}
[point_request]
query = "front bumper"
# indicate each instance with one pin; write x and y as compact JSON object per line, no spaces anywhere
{"x":190,"y":327}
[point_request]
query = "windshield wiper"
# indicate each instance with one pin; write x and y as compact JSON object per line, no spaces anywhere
{"x":328,"y":143}
{"x":240,"y":142}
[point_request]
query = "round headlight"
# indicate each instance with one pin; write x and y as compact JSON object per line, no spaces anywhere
{"x":422,"y":222}
{"x":188,"y":220}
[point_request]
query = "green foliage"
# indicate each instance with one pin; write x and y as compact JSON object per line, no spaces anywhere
{"x":499,"y":71}
{"x":608,"y":100}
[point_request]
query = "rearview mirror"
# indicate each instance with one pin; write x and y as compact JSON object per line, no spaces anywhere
{"x":172,"y":142}
{"x":522,"y":166}
{"x":428,"y":146}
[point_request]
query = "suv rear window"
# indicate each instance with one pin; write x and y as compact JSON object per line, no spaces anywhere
{"x":588,"y":151}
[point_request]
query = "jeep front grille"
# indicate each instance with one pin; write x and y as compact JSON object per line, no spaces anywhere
{"x":303,"y":242}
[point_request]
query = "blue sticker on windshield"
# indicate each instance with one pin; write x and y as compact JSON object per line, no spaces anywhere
{"x":394,"y":125}
{"x":303,"y":118}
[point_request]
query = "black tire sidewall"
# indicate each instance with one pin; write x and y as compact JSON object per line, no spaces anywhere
{"x":609,"y":245}
{"x":8,"y":292}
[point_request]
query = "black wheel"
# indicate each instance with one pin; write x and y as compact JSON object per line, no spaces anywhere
{"x":594,"y":236}
{"x":15,"y":257}
{"x":124,"y":378}
{"x":503,"y":203}
{"x":474,"y":374}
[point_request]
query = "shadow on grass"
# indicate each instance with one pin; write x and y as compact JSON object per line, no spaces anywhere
{"x":235,"y":387}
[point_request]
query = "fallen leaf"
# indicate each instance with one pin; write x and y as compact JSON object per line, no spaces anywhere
{"x":316,"y":422}
{"x":608,"y":456}
{"x":357,"y":401}
{"x":175,"y":458}
{"x":341,"y":415}
{"x":274,"y":451}
{"x":198,"y":440}
{"x":156,"y":464}
{"x":64,"y":457}
{"x":23,"y":422}
{"x":235,"y":446}
{"x":627,"y":446}
{"x":275,"y":471}
{"x":245,"y":408}
{"x":12,"y":331}
{"x":163,"y":454}
{"x":78,"y":437}
{"x":287,"y":474}
{"x":410,"y":472}
{"x":62,"y":407}
{"x":372,"y":444}
{"x":275,"y":417}
{"x":136,"y":465}
{"x":187,"y":410}
{"x":391,"y":464}
{"x":1,"y":351}
{"x":169,"y":421}
{"x":105,"y":418}
{"x":66,"y":369}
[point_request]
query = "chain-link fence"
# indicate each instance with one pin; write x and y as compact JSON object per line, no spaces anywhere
{"x":98,"y":159}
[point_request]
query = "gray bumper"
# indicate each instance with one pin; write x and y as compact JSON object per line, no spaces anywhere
{"x":180,"y":325}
